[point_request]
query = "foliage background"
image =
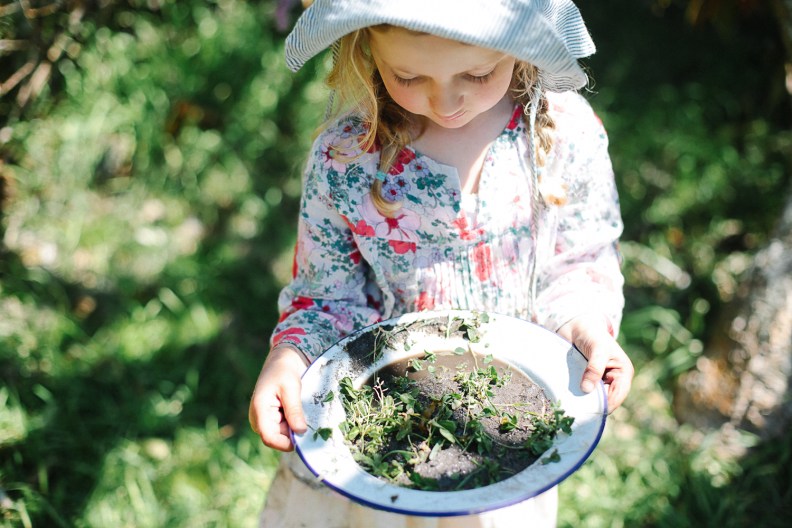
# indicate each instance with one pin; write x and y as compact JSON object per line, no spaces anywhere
{"x":149,"y":187}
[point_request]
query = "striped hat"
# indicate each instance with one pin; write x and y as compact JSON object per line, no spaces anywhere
{"x":549,"y":34}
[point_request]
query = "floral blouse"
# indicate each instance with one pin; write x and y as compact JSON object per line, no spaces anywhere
{"x":444,"y":249}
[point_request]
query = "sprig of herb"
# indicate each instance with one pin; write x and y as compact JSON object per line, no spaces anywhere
{"x":393,"y":428}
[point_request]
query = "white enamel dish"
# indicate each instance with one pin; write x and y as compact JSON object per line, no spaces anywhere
{"x":543,"y":356}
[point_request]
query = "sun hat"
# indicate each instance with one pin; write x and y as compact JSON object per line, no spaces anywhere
{"x":550,"y":34}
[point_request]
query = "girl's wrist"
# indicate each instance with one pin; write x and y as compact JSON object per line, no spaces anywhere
{"x":585,"y":320}
{"x":289,"y":353}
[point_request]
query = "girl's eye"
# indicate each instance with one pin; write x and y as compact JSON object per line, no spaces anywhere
{"x":481,"y":79}
{"x":403,"y":81}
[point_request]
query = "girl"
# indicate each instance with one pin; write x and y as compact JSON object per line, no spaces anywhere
{"x":459,"y":170}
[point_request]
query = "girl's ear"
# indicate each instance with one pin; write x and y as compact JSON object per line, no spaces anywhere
{"x":307,"y":3}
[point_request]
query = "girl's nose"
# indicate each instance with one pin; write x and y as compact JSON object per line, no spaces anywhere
{"x":446,"y":102}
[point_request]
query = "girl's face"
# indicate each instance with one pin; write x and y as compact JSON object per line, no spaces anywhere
{"x":447,"y":82}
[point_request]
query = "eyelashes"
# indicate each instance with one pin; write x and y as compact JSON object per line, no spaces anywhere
{"x":402,"y":81}
{"x":478,"y":79}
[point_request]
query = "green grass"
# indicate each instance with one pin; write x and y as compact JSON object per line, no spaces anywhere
{"x":150,"y":224}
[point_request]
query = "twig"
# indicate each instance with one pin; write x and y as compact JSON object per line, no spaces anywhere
{"x":36,"y":83}
{"x":12,"y":45}
{"x":31,"y":12}
{"x":17,"y":77}
{"x":9,"y":9}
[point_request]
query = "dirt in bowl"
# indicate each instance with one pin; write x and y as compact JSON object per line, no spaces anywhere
{"x":449,"y":420}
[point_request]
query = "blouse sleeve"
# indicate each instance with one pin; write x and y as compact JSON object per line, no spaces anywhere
{"x":326,"y":298}
{"x":583,"y":273}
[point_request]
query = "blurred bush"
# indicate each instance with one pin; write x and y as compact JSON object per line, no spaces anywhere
{"x":151,"y":180}
{"x":701,"y":130}
{"x":153,"y":185}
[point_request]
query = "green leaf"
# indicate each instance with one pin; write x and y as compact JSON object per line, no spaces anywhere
{"x":447,"y":424}
{"x":323,"y":432}
{"x":448,"y":435}
{"x":554,"y":457}
{"x":353,"y":433}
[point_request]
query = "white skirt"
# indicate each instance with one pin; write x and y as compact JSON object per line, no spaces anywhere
{"x":297,"y":499}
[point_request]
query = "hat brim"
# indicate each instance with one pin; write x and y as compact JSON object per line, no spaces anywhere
{"x":550,"y":34}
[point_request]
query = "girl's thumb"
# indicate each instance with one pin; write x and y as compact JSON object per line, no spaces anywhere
{"x":292,"y":410}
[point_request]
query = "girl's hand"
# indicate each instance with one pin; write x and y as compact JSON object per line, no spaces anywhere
{"x":606,"y":359}
{"x":275,"y":407}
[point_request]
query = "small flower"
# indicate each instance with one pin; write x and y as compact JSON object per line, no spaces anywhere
{"x":419,"y":167}
{"x":395,"y":187}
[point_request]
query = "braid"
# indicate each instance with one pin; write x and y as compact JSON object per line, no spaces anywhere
{"x":393,"y":134}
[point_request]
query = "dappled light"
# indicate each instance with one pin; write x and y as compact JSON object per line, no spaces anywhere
{"x":149,"y":189}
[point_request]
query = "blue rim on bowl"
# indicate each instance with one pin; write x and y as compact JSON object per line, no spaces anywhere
{"x":543,"y":356}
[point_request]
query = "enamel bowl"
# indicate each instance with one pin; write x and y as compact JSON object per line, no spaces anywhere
{"x":547,"y":359}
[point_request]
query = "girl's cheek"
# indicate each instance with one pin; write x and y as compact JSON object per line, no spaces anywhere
{"x":406,"y":100}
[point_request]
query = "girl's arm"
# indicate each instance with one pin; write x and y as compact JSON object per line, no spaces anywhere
{"x":327,"y":296}
{"x":325,"y":300}
{"x":580,"y":285}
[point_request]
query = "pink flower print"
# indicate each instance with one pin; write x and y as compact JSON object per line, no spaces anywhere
{"x":361,"y":228}
{"x":395,"y":187}
{"x":465,"y":233}
{"x":401,"y":247}
{"x":482,"y":262}
{"x":288,"y":336}
{"x":329,"y":157}
{"x":402,"y":227}
{"x":403,"y":158}
{"x":424,"y":302}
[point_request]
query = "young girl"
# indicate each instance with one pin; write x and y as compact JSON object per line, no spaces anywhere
{"x":460,"y":170}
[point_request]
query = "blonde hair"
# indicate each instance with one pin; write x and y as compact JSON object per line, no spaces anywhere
{"x":359,"y":89}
